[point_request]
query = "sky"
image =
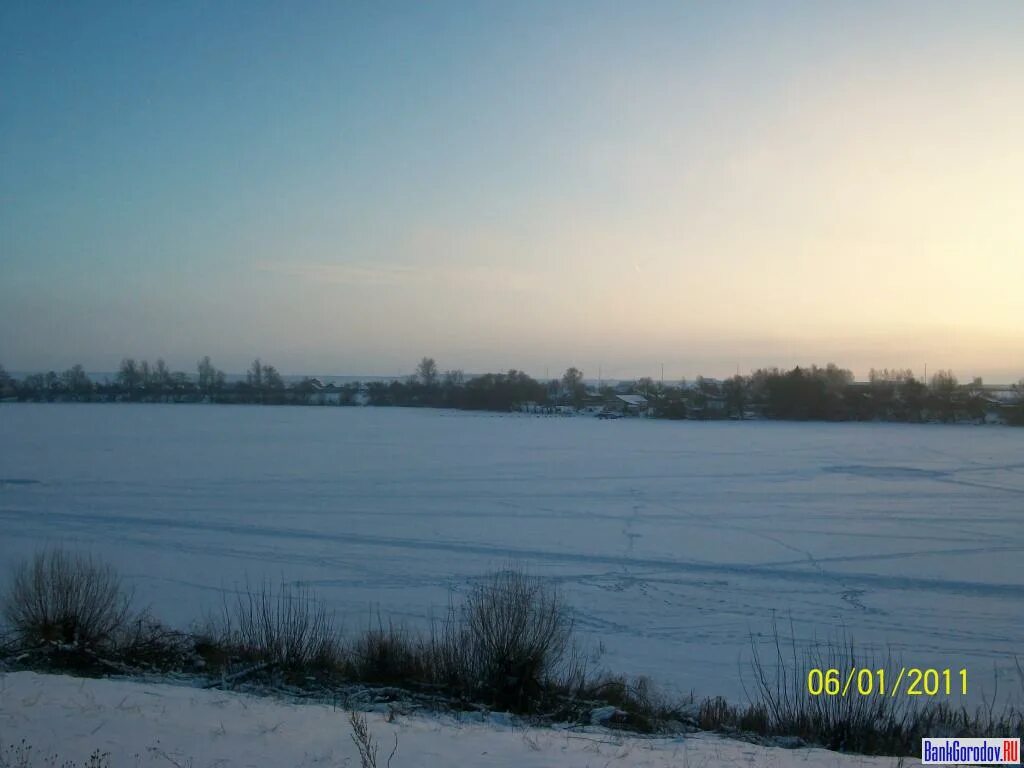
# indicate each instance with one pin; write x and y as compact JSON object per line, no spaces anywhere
{"x":344,"y":187}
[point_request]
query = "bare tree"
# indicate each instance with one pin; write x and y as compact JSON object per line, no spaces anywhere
{"x":736,"y":390}
{"x":207,"y":374}
{"x":272,"y":380}
{"x":944,"y":401}
{"x":254,"y":378}
{"x":426,"y":372}
{"x":646,"y":386}
{"x":572,"y":383}
{"x":943,"y":383}
{"x":75,"y":381}
{"x":1017,"y":417}
{"x":161,"y":374}
{"x":129,"y":375}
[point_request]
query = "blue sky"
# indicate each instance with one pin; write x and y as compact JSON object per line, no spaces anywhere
{"x":344,"y":187}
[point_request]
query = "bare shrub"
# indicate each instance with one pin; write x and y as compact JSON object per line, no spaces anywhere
{"x":288,"y":628}
{"x":513,"y":637}
{"x":66,"y":598}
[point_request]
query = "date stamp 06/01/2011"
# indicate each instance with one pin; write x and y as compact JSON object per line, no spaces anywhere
{"x":907,"y":681}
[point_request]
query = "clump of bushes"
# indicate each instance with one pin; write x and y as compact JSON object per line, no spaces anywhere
{"x":508,"y":640}
{"x":69,"y":610}
{"x":65,"y":598}
{"x":287,"y":628}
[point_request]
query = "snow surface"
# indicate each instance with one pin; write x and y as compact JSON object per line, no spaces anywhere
{"x":164,"y":725}
{"x":673,"y":541}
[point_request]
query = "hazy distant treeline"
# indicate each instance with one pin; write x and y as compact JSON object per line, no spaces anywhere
{"x":138,"y":381}
{"x":831,"y":394}
{"x":814,"y":393}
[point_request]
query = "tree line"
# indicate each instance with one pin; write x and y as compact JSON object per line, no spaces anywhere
{"x":831,"y":394}
{"x":139,"y":381}
{"x":802,"y":393}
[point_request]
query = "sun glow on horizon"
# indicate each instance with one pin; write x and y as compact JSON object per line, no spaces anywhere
{"x":706,"y":186}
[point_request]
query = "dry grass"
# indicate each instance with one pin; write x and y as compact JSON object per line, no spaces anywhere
{"x":389,"y":655}
{"x":23,"y":755}
{"x":365,"y":743}
{"x":874,"y":724}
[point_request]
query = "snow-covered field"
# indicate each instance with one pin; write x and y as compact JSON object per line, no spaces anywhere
{"x":163,"y":725}
{"x":673,"y":541}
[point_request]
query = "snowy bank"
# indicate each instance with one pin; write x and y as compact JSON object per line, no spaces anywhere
{"x":171,"y":725}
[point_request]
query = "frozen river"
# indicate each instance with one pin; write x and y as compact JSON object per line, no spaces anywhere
{"x":672,"y":541}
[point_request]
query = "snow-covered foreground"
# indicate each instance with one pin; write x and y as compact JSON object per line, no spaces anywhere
{"x":164,"y":725}
{"x":673,"y":541}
